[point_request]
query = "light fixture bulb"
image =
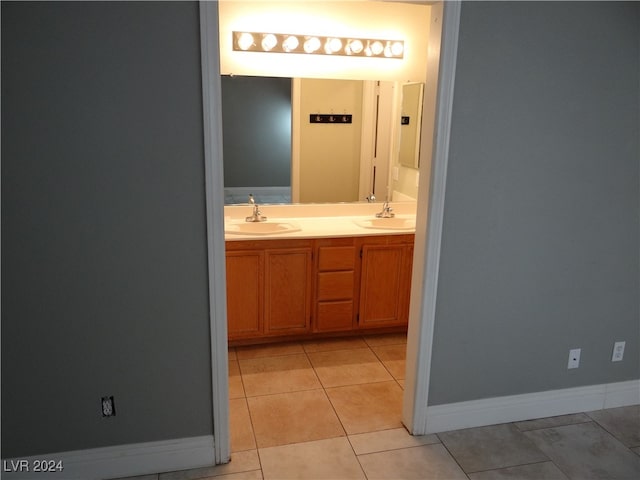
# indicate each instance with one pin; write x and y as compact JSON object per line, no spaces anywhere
{"x":269,"y":41}
{"x":377,"y":47}
{"x":311,"y":44}
{"x":354,"y":46}
{"x":245,"y":41}
{"x":332,"y":45}
{"x":290,"y":43}
{"x":397,"y":49}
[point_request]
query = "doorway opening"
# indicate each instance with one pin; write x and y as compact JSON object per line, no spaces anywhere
{"x":216,"y":243}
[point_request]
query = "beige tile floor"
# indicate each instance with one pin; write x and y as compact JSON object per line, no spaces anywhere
{"x":331,"y":410}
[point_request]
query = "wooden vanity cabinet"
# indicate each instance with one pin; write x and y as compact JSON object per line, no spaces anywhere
{"x":268,"y":288}
{"x":336,"y":282}
{"x":301,"y":287}
{"x":385,"y":283}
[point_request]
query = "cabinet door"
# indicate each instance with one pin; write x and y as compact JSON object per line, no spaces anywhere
{"x":245,"y":286}
{"x":288,"y":291}
{"x":382,"y":295}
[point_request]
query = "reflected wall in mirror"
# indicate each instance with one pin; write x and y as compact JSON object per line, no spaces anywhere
{"x":256,"y":131}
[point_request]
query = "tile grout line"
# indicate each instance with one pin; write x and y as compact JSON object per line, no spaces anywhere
{"x":451,"y":455}
{"x":514,"y":466}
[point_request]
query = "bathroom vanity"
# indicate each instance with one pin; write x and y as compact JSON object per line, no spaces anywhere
{"x":317,"y":275}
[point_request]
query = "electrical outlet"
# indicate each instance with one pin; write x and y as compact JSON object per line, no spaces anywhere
{"x":417,"y":179}
{"x":574,"y":358}
{"x":108,"y":407}
{"x":618,"y":351}
{"x":395,"y":172}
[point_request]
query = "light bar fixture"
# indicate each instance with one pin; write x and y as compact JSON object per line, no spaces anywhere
{"x":315,"y":44}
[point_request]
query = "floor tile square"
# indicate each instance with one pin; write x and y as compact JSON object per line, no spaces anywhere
{"x":293,"y":417}
{"x":368,"y":407}
{"x":393,"y":358}
{"x":386,"y":339}
{"x":492,"y":447}
{"x":268,"y":375}
{"x":424,"y":462}
{"x":392,"y":439}
{"x":242,"y":437}
{"x":269,"y":350}
{"x":549,"y":422}
{"x":623,"y":423}
{"x":348,"y":367}
{"x":236,"y":389}
{"x":586,"y":451}
{"x":240,"y":462}
{"x":533,"y":471}
{"x":324,"y":459}
{"x":329,"y":344}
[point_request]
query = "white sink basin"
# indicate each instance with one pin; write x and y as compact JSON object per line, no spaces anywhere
{"x":393,"y":223}
{"x":260,"y":228}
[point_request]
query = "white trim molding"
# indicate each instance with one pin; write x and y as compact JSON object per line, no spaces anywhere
{"x":428,"y":239}
{"x":512,"y":408}
{"x":214,"y":190}
{"x":117,"y":461}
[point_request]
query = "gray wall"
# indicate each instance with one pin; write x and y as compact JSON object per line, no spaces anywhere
{"x":104,"y":281}
{"x":540,"y":242}
{"x":256,"y":127}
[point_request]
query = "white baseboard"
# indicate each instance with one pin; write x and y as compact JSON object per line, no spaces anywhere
{"x":119,"y":461}
{"x":492,"y":411}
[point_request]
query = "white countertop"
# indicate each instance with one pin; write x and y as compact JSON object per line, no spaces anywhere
{"x":320,"y":220}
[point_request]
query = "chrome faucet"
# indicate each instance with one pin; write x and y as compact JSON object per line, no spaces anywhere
{"x":256,"y":216}
{"x":386,"y":211}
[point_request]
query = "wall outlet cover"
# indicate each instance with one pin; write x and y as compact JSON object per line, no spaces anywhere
{"x":574,"y":358}
{"x":108,"y":407}
{"x":618,"y":351}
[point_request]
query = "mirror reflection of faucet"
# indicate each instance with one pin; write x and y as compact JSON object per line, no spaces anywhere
{"x":387,"y":211}
{"x":256,"y":215}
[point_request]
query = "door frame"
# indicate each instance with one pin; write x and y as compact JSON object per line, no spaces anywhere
{"x":428,"y":238}
{"x":426,"y":250}
{"x":214,"y":195}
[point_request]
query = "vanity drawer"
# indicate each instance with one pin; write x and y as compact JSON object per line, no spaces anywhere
{"x":335,"y":285}
{"x":336,"y":258}
{"x":334,"y":316}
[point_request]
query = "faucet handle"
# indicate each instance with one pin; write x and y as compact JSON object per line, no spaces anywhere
{"x":251,"y":199}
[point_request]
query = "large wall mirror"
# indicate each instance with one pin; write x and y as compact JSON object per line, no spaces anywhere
{"x":272,"y":148}
{"x":280,"y":146}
